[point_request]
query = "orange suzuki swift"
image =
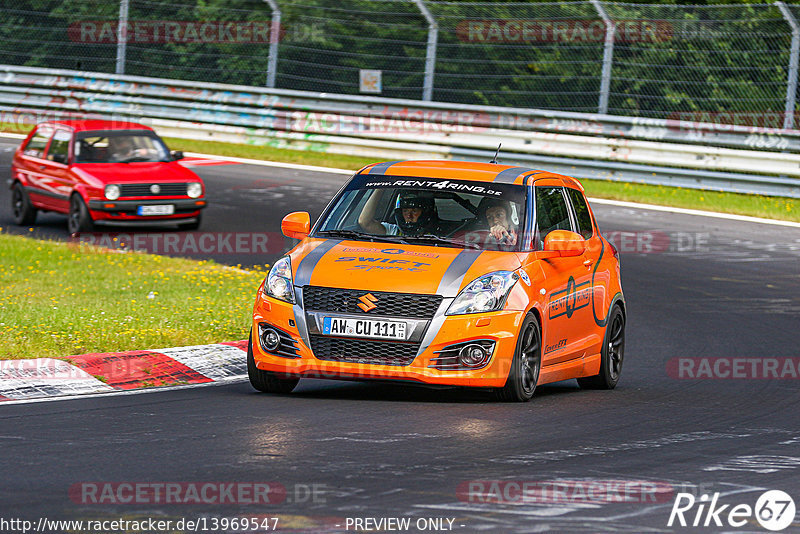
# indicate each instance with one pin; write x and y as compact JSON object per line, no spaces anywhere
{"x":444,"y":272}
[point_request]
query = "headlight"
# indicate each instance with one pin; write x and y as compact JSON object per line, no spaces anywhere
{"x":484,"y":294}
{"x":112,"y":192}
{"x":194,"y":190}
{"x":279,"y":281}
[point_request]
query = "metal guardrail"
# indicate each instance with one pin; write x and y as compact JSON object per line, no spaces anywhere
{"x":652,"y":151}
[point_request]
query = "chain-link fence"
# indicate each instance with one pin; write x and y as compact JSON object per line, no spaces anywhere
{"x":732,"y":63}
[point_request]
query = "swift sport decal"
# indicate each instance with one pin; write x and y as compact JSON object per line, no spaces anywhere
{"x":367,"y":263}
{"x":573,"y":297}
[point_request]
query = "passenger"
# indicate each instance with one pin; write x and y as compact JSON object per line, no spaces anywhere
{"x":498,"y":217}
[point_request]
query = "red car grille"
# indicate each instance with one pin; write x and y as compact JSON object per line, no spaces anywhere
{"x":143,"y":190}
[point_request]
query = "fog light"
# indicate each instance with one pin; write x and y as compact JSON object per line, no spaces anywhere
{"x":472,"y":355}
{"x":271,"y":339}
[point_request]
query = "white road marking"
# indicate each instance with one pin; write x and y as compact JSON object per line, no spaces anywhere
{"x":116,"y":393}
{"x":495,"y":509}
{"x":699,"y":213}
{"x":266,"y":163}
{"x":564,"y":454}
{"x":41,"y":377}
{"x":214,"y":361}
{"x":757,"y":464}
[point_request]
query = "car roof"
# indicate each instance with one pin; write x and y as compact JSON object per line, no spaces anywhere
{"x":471,"y":171}
{"x":83,"y":125}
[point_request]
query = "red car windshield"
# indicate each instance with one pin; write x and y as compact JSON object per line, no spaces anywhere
{"x":119,"y":147}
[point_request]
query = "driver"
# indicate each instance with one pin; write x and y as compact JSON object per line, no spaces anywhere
{"x":414,"y":214}
{"x":122,"y":148}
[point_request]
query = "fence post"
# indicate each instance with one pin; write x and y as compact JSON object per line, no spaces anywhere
{"x":122,"y":36}
{"x":791,"y":86}
{"x":430,"y":51}
{"x":274,"y":38}
{"x":608,"y":56}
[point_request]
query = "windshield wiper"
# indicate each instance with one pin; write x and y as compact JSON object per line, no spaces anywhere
{"x":439,"y":239}
{"x":361,"y":235}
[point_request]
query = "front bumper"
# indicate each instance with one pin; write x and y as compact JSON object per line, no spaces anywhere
{"x":500,"y":327}
{"x":126,"y":210}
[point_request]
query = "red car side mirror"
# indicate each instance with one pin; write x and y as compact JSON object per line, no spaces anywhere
{"x":564,"y":242}
{"x":296,"y":225}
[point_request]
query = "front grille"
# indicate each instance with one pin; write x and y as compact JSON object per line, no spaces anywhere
{"x":143,"y":190}
{"x":391,"y":304}
{"x":363,"y":351}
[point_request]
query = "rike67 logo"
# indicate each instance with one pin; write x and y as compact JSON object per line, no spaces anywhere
{"x":774,"y":510}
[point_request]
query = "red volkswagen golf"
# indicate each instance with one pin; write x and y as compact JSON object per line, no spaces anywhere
{"x":104,"y":172}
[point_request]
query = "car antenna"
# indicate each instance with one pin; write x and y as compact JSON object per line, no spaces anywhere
{"x":494,"y":159}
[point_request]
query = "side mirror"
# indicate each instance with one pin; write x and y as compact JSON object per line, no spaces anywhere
{"x":296,"y":225}
{"x":176,"y":155}
{"x":60,"y":158}
{"x":564,"y":242}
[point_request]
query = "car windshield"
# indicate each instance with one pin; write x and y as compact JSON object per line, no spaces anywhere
{"x":429,"y":211}
{"x":119,"y":147}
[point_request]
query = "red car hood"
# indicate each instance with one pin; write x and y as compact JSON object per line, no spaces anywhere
{"x":118,"y":173}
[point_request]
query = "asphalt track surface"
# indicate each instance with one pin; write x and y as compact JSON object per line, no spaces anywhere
{"x":721,"y":288}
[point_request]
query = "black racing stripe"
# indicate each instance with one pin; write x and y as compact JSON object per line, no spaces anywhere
{"x":381,"y":168}
{"x":307,"y":264}
{"x":509,"y":175}
{"x":454,"y":275}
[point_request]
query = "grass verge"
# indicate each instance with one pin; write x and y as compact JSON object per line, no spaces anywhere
{"x":60,"y":299}
{"x":753,"y":205}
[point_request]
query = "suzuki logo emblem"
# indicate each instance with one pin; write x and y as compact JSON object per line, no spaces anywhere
{"x":367,"y":302}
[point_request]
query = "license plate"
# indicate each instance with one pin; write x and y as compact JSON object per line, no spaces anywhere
{"x":336,"y":326}
{"x":162,"y":209}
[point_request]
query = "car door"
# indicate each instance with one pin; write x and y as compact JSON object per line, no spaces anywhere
{"x":56,"y":165}
{"x":567,"y":283}
{"x":599,"y":274}
{"x":32,"y":165}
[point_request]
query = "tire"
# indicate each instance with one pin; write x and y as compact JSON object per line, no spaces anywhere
{"x":21,"y":206}
{"x":193,"y":225}
{"x":264,"y":380}
{"x":78,"y":219}
{"x":527,"y":362}
{"x":611,"y":355}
